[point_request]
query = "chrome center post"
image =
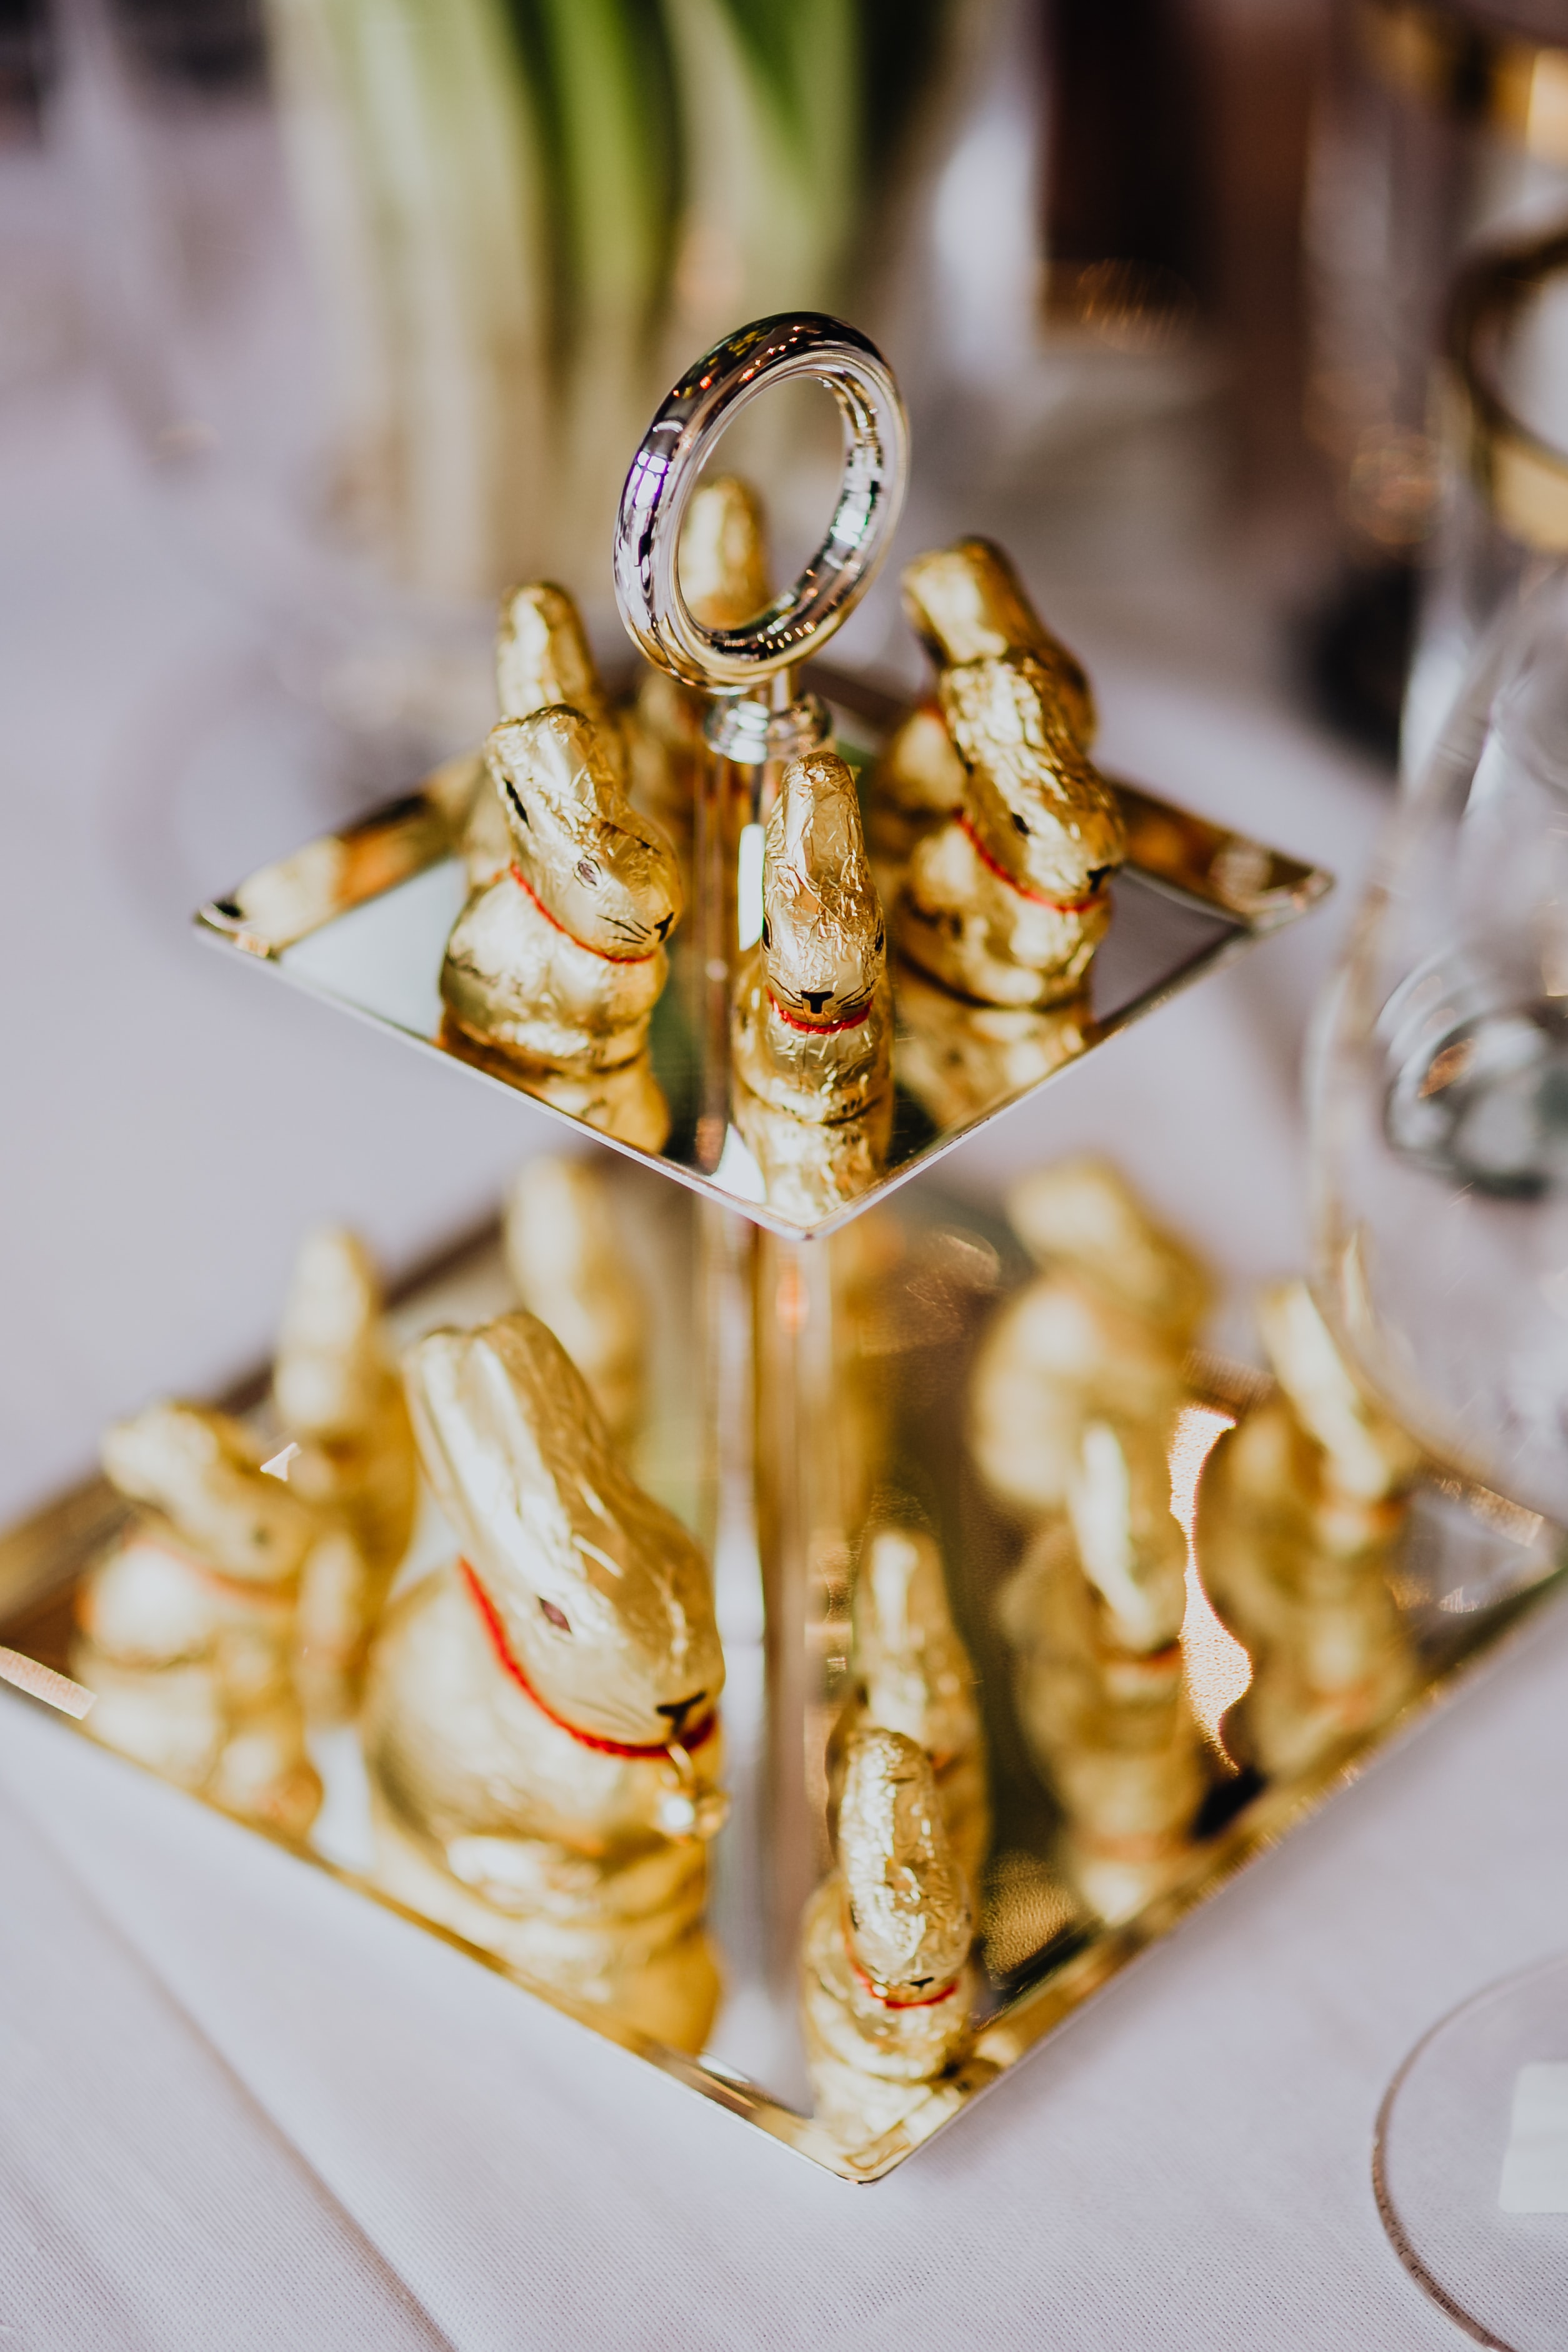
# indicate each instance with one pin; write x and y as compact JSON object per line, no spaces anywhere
{"x":773,"y":1445}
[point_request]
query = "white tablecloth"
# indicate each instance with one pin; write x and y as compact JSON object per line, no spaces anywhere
{"x":240,"y":2107}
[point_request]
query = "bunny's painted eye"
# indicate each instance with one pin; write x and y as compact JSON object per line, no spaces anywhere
{"x":558,"y":1617}
{"x":515,"y":799}
{"x":766,"y":932}
{"x":1019,"y":822}
{"x":587,"y":873}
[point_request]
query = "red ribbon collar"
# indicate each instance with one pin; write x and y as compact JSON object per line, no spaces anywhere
{"x":1022,"y":890}
{"x":819,"y":1028}
{"x":506,"y":1658}
{"x":521,"y":880}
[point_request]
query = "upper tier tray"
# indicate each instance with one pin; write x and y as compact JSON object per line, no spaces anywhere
{"x":362,"y":916}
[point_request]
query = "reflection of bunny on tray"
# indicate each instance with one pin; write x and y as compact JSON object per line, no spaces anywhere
{"x":336,"y":1385}
{"x":910,"y":1672}
{"x":540,"y":1725}
{"x":186,"y":1626}
{"x":1303,"y":1519}
{"x":1094,"y":1615}
{"x":560,"y":961}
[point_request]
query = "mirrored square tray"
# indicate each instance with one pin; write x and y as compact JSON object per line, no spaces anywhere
{"x":1469,"y":1574}
{"x":360,"y":918}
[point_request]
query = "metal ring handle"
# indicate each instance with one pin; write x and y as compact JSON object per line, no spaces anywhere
{"x":664,"y":473}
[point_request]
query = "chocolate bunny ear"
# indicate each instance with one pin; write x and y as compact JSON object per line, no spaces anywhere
{"x":473,"y":1420}
{"x":602,"y":1597}
{"x":564,"y":1254}
{"x":724,"y":553}
{"x":1082,"y":1214}
{"x":559,"y":757}
{"x":331,"y":1369}
{"x":1367,"y":1455}
{"x":966,"y":604}
{"x":543,"y":658}
{"x":815,"y":845}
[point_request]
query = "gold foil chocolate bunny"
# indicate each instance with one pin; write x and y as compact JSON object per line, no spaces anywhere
{"x":540,"y":1725}
{"x":911,"y":1673}
{"x":1302,"y":1513}
{"x":886,"y":1984}
{"x":339,"y":1397}
{"x":570,"y":1270}
{"x":811,"y":1030}
{"x":187,"y":1628}
{"x":559,"y":962}
{"x":1094,"y":1616}
{"x":1103,"y":1331}
{"x":1008,"y":901}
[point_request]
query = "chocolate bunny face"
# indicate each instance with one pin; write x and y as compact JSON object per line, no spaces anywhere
{"x":823,"y":941}
{"x":604,"y":872}
{"x":202,"y":1472}
{"x":602,"y":1597}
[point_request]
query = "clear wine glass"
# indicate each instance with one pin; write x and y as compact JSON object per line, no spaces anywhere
{"x":1441,"y":1085}
{"x":1440,"y":1132}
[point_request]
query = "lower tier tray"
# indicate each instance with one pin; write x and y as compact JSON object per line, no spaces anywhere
{"x":928,"y":1278}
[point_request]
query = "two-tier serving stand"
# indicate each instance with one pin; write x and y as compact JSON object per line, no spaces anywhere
{"x":360,"y":918}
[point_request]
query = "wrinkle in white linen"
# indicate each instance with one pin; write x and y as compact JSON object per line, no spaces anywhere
{"x":144,"y":2201}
